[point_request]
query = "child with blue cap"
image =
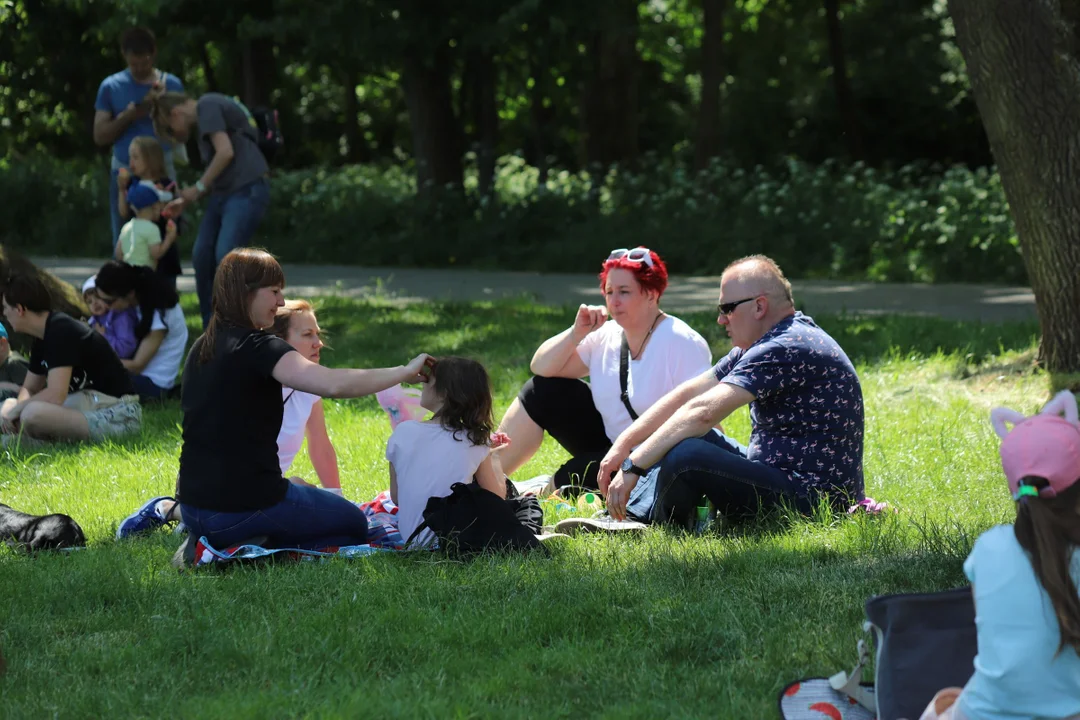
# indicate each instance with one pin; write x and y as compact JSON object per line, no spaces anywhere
{"x":140,"y":240}
{"x":12,"y":367}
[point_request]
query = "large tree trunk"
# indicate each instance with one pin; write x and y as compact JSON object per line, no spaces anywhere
{"x":1023,"y":64}
{"x":258,"y":71}
{"x":436,"y":133}
{"x":845,"y":104}
{"x":610,"y":101}
{"x":712,"y":74}
{"x":483,"y":106}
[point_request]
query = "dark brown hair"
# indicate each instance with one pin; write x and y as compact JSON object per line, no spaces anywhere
{"x":28,"y":291}
{"x":1049,"y":529}
{"x":240,"y":274}
{"x":139,"y":41}
{"x":465,"y":390}
{"x":152,"y":291}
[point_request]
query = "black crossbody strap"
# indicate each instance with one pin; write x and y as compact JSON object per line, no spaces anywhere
{"x":624,"y":371}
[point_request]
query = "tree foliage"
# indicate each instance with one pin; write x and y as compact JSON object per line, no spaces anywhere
{"x":564,"y":83}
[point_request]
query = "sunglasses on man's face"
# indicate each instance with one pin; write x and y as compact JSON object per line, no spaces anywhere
{"x":106,"y":299}
{"x":727,"y":308}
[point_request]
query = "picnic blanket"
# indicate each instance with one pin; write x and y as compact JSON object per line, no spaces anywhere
{"x":815,"y":699}
{"x":383,"y":535}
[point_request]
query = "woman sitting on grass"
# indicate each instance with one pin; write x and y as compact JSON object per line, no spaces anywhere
{"x":661,"y":352}
{"x":428,"y":456}
{"x":160,"y":329}
{"x":296,"y":324}
{"x":230,"y":485}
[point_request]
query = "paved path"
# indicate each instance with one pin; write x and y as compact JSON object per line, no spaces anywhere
{"x":960,"y":302}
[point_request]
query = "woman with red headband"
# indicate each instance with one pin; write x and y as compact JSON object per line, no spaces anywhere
{"x":657,"y":350}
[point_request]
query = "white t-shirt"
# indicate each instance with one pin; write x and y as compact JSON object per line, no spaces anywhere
{"x":428,"y":460}
{"x":674,"y":354}
{"x":165,"y":364}
{"x":294,"y":420}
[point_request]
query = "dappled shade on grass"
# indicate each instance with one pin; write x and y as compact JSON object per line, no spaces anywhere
{"x":666,"y":624}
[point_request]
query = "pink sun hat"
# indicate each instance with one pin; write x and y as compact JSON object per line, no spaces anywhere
{"x":1046,"y":445}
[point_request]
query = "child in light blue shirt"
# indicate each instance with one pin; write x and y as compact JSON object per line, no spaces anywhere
{"x":1024,"y":578}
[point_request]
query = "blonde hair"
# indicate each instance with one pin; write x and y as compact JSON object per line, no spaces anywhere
{"x":763,"y":271}
{"x":286,"y":313}
{"x":153,"y":155}
{"x":161,"y":106}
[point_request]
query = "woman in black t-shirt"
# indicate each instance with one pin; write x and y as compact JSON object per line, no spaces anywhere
{"x":230,"y":485}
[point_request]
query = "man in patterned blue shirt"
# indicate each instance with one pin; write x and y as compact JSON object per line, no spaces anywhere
{"x":806,"y":412}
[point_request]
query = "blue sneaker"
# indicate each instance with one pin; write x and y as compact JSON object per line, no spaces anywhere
{"x":144,"y":519}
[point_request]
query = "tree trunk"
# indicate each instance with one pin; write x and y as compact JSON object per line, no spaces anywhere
{"x":259,"y":71}
{"x":712,"y":75}
{"x":845,"y":104}
{"x":1023,"y":64}
{"x":610,"y":101}
{"x":354,"y":137}
{"x":208,"y":69}
{"x":436,"y":133}
{"x":481,"y":74}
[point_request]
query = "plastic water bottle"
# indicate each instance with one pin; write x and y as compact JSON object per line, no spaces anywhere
{"x":706,"y":513}
{"x":589,"y":502}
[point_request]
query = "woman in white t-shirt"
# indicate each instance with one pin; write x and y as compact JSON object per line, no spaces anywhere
{"x":296,"y":324}
{"x":584,"y":418}
{"x":161,"y":330}
{"x":428,"y":456}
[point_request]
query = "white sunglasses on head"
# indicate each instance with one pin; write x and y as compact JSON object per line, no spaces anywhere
{"x":638,"y":255}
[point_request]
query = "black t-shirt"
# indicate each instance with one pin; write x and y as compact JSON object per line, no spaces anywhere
{"x":232,"y":416}
{"x":94,"y":364}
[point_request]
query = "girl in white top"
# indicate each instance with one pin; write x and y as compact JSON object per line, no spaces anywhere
{"x":663,"y":352}
{"x":428,"y":456}
{"x":161,"y":330}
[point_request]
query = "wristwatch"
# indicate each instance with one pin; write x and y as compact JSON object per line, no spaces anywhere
{"x":200,"y":187}
{"x":628,"y":466}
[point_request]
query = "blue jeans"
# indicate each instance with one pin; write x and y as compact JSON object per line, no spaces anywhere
{"x":308,"y":518}
{"x":712,"y":466}
{"x":229,"y":222}
{"x":146,"y":388}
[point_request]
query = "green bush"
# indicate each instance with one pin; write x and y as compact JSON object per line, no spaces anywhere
{"x":915,"y":224}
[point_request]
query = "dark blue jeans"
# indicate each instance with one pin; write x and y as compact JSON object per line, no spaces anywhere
{"x":229,"y":222}
{"x":308,"y":518}
{"x":146,"y":388}
{"x":712,"y":466}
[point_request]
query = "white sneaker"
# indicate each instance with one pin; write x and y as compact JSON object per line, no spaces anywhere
{"x":604,"y":524}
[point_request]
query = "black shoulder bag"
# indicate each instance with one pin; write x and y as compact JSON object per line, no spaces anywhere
{"x":624,"y":371}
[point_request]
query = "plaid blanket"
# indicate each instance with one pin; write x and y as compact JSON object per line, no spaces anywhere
{"x":383,"y":535}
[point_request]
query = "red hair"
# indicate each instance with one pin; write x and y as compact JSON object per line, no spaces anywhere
{"x":652,"y":279}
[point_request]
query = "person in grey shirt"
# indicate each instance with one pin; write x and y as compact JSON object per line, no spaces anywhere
{"x":235,"y":180}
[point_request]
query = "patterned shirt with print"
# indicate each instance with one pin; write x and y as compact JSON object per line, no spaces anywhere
{"x":807,"y":415}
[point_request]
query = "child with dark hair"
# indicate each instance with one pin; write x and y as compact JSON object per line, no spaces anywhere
{"x":428,"y":456}
{"x":118,"y":326}
{"x":1024,"y":578}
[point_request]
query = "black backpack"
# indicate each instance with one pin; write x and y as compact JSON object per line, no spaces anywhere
{"x":471,"y":520}
{"x":264,"y":121}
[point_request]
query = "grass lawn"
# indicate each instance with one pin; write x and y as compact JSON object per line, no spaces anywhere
{"x":666,"y":625}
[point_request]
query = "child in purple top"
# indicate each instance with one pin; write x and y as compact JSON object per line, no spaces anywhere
{"x":118,"y":326}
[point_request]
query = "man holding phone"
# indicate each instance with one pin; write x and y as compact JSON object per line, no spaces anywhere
{"x":122,"y":112}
